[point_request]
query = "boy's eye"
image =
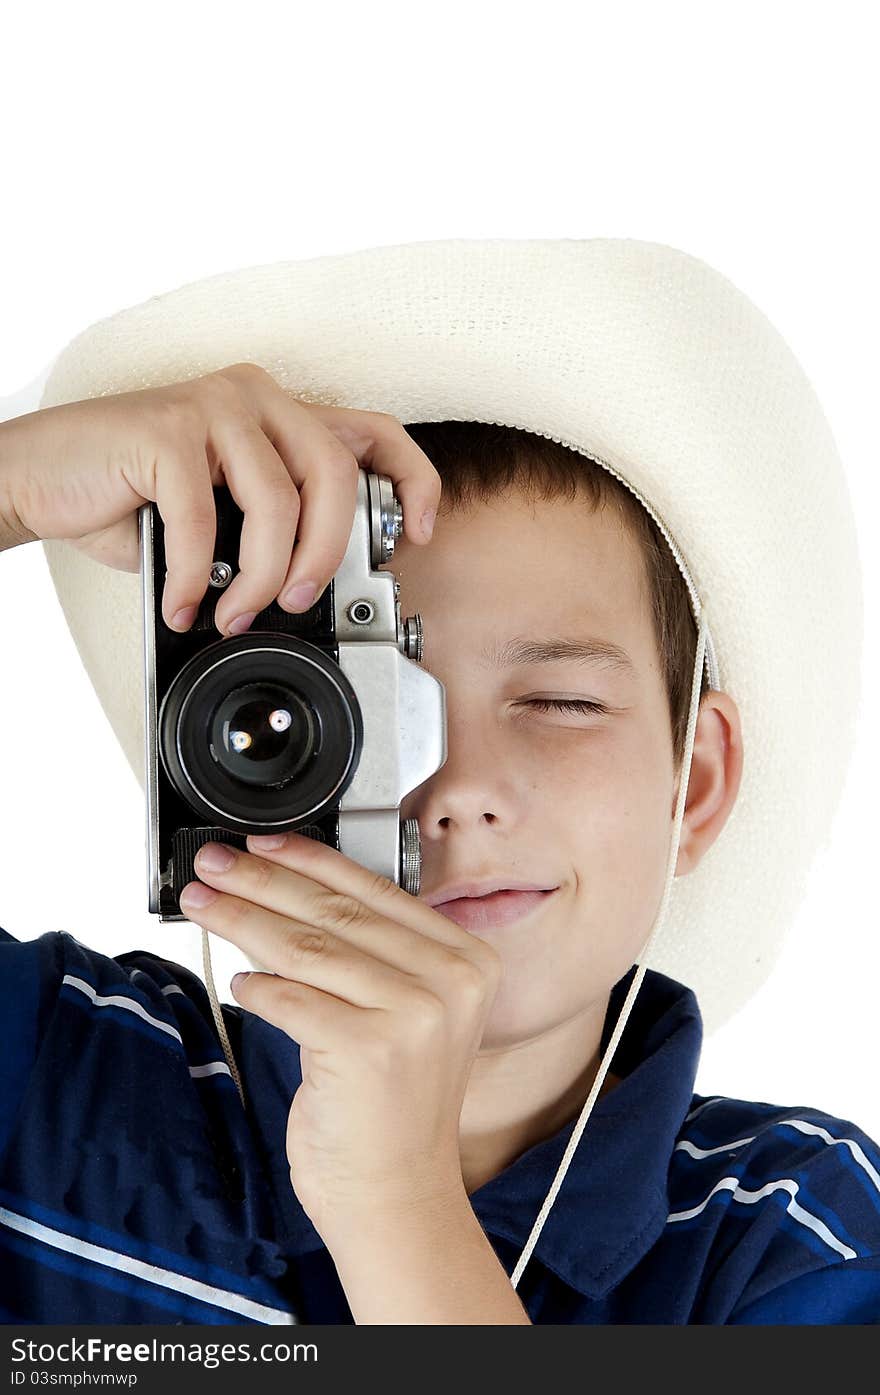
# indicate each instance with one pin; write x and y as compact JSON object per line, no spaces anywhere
{"x":582,"y":705}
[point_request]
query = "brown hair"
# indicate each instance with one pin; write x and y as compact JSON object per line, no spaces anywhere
{"x":477,"y":460}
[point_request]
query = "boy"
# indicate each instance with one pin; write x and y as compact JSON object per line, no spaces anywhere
{"x":566,"y":772}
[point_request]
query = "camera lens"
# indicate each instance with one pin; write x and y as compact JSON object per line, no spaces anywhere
{"x":261,"y":730}
{"x":263,"y":734}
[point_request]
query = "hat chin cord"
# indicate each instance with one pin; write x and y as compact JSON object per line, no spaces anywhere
{"x":630,"y":997}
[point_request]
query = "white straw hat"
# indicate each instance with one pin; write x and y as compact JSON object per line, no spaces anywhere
{"x":639,"y":355}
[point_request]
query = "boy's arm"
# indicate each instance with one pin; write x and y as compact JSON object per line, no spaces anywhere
{"x":431,"y":1265}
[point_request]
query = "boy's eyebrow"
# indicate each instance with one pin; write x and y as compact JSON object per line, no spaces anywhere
{"x":522,"y":650}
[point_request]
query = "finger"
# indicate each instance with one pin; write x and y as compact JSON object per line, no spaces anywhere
{"x":321,"y":474}
{"x":313,"y":861}
{"x":382,"y":444}
{"x":318,"y":445}
{"x":370,"y":928}
{"x":377,"y":440}
{"x":185,"y":500}
{"x":329,"y":496}
{"x":301,"y":951}
{"x":261,"y":486}
{"x":315,"y":1020}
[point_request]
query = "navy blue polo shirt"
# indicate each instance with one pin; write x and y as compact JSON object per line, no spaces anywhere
{"x":135,"y":1189}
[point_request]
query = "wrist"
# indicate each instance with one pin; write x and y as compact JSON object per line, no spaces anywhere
{"x":427,"y":1210}
{"x":430,"y":1262}
{"x":12,"y":530}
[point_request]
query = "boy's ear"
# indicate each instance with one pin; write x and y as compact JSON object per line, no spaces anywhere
{"x":716,"y":772}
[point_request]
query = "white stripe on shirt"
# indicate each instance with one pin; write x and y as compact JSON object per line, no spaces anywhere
{"x":117,"y":1000}
{"x":850,"y":1143}
{"x":716,"y":1099}
{"x":140,"y":1269}
{"x":696,"y":1152}
{"x":796,"y":1211}
{"x":211,"y":1068}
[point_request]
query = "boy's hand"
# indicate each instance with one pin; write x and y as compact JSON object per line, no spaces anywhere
{"x":80,"y":471}
{"x":387,"y":999}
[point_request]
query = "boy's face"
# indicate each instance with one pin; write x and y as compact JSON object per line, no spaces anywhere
{"x":580,"y":801}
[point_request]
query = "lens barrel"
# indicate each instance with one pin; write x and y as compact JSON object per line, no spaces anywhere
{"x":261,"y":729}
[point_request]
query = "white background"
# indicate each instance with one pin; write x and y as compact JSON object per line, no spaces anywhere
{"x":141,"y":153}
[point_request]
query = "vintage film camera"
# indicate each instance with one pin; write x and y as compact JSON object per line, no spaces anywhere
{"x":319,"y":723}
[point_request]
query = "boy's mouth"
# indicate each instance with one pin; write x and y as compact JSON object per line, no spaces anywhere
{"x":497,"y":908}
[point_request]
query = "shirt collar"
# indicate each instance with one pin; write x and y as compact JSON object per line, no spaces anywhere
{"x":613,"y":1201}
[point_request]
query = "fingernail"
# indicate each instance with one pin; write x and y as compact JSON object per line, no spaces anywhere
{"x":428,"y":521}
{"x":197,"y":894}
{"x":237,"y":980}
{"x":267,"y":841}
{"x":241,"y":623}
{"x":301,"y":596}
{"x":215,"y":857}
{"x":184,"y":618}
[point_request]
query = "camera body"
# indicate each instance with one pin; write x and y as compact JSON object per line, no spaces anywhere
{"x":319,"y":723}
